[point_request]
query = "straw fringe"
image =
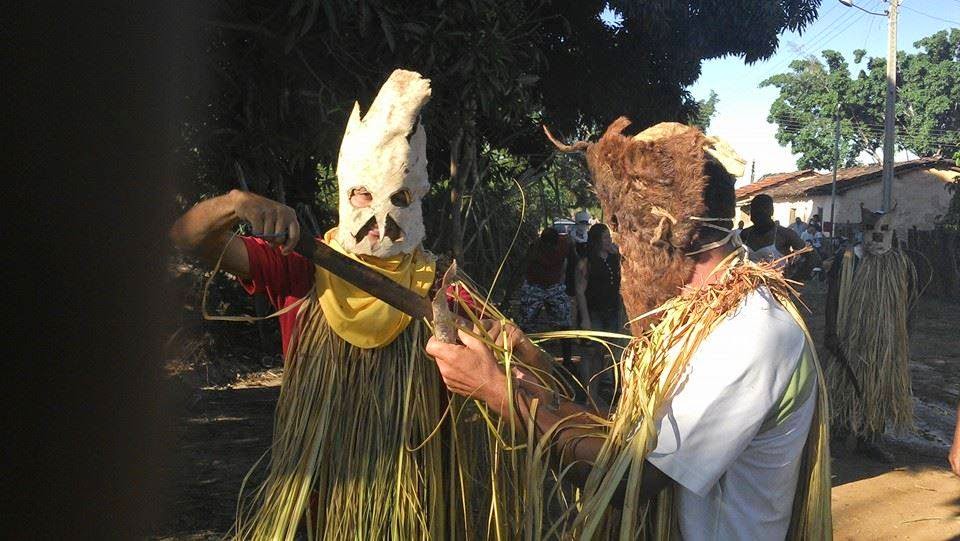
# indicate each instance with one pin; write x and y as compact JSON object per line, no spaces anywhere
{"x":874,"y":303}
{"x":651,"y":369}
{"x":345,"y":422}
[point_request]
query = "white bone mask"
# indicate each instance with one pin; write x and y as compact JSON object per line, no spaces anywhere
{"x":384,"y":153}
{"x":877,"y":230}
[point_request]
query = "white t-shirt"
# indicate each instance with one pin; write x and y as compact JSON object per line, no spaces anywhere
{"x":815,"y":239}
{"x":733,"y":481}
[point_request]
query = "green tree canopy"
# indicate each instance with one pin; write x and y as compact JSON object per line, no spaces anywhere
{"x":814,"y":90}
{"x":278,"y":79}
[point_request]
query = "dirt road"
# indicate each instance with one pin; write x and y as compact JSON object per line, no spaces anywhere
{"x":220,"y":433}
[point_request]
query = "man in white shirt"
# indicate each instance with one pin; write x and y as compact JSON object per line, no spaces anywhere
{"x":732,"y":435}
{"x":812,"y":237}
{"x":732,"y":465}
{"x":798,"y":226}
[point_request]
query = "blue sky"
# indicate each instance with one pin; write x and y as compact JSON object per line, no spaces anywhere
{"x":743,"y":107}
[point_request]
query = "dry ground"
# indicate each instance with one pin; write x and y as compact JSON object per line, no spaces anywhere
{"x":220,"y":432}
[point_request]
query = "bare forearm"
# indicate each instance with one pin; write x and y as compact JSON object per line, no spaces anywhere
{"x":956,"y":430}
{"x":574,"y":430}
{"x":204,"y":227}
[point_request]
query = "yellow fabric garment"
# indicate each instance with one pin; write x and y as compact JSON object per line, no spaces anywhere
{"x":360,"y":318}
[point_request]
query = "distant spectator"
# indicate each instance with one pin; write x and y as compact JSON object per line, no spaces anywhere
{"x":581,"y":225}
{"x":815,"y":222}
{"x":579,"y":234}
{"x":798,"y":226}
{"x":739,"y":228}
{"x":544,"y":305}
{"x":598,"y":289}
{"x":812,"y":237}
{"x":767,"y":240}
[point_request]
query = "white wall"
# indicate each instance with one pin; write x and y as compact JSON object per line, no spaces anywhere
{"x":784,"y":211}
{"x":787,"y":211}
{"x":920,"y":196}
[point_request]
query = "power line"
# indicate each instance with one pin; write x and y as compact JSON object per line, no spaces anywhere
{"x":816,"y":40}
{"x":869,"y":29}
{"x":933,"y":142}
{"x":917,"y":11}
{"x":800,"y":121}
{"x":946,"y":136}
{"x":794,"y":118}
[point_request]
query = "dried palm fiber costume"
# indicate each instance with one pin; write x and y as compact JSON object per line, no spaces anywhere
{"x":662,"y":207}
{"x":351,"y":456}
{"x":869,"y":298}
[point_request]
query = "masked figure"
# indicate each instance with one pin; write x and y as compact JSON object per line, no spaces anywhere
{"x":699,"y":400}
{"x":352,"y":456}
{"x":868,"y":301}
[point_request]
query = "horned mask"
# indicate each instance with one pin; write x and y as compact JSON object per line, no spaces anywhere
{"x":652,"y":188}
{"x":877,"y":227}
{"x":384,"y":154}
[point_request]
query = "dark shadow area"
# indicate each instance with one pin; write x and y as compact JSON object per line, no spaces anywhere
{"x":850,"y":468}
{"x":216,"y":442}
{"x":91,"y":121}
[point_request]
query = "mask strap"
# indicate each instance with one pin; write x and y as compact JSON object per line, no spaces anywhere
{"x":731,"y":237}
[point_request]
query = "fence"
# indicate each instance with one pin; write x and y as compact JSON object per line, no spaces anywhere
{"x":936,"y":254}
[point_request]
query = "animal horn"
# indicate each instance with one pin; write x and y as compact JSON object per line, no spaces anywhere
{"x":579,"y":146}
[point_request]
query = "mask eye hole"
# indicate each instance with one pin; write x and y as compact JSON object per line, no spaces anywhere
{"x":401,"y":198}
{"x":614,"y":223}
{"x":360,"y":197}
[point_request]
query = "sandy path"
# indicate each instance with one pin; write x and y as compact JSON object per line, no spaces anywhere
{"x":222,"y":433}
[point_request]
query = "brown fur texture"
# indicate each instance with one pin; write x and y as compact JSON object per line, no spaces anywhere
{"x":641,"y":185}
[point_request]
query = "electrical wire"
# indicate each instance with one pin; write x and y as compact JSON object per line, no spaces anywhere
{"x":828,"y":34}
{"x":795,"y":119}
{"x":944,"y":137}
{"x":917,"y":11}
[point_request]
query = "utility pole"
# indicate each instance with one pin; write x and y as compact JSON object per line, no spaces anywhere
{"x":836,"y":160}
{"x":889,"y":115}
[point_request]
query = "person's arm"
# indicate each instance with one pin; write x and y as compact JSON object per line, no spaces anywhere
{"x":955,"y":449}
{"x":471,"y":370}
{"x":206,"y":229}
{"x":581,"y":290}
{"x":792,"y":240}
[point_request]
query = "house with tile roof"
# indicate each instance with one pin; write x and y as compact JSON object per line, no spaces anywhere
{"x":920,"y":191}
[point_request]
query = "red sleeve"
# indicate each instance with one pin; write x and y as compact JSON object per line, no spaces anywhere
{"x":278,"y":276}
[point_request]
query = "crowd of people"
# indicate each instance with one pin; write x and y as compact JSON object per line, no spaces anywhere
{"x":572,"y":281}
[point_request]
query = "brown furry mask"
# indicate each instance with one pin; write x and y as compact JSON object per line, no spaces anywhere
{"x":649,"y":187}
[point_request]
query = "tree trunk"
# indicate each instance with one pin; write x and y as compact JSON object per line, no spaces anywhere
{"x":463,"y":158}
{"x":456,"y":192}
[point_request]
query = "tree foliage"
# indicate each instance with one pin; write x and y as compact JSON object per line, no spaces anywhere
{"x":276,"y":81}
{"x":705,"y":111}
{"x":814,"y":90}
